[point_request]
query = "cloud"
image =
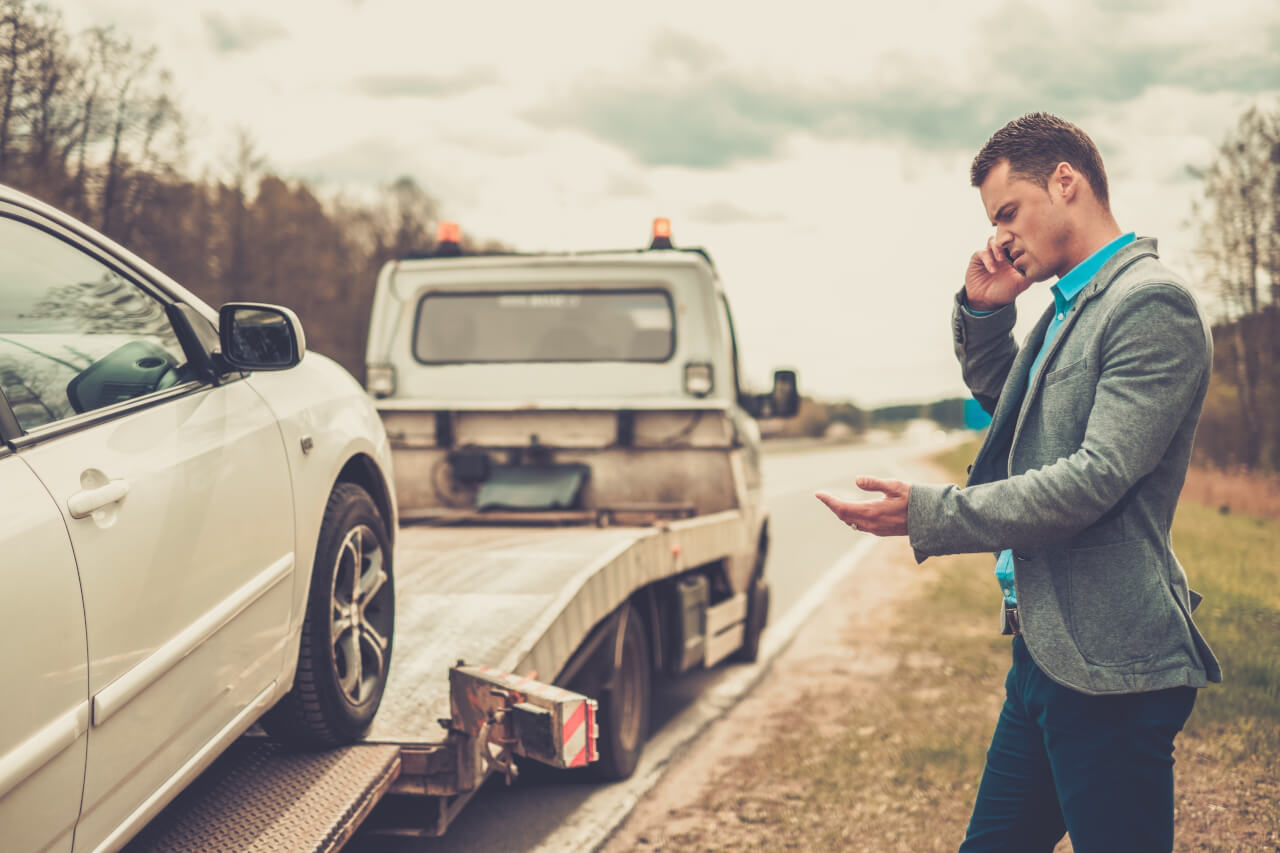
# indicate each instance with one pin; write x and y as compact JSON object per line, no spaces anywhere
{"x":687,"y":106}
{"x":705,"y":126}
{"x":684,"y":51}
{"x":727,"y":118}
{"x":625,"y":186}
{"x":730,"y":213}
{"x":410,"y":85}
{"x":245,"y":33}
{"x":372,"y":161}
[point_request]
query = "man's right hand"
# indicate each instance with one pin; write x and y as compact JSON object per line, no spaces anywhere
{"x":991,"y":282}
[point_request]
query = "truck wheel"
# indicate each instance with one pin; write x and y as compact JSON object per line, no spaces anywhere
{"x":347,"y":631}
{"x":624,"y":709}
{"x":757,"y":618}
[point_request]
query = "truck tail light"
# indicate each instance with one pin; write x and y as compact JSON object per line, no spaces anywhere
{"x":698,"y":378}
{"x":380,"y":379}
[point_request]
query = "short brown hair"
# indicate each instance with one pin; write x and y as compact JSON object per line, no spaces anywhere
{"x":1034,"y":145}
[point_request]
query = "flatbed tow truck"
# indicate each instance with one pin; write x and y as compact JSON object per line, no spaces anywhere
{"x":576,"y":519}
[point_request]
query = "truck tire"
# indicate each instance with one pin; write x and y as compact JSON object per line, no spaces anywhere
{"x":757,"y":618}
{"x":624,"y":708}
{"x":347,"y":631}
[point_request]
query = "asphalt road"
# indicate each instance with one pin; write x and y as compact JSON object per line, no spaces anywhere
{"x":548,"y":812}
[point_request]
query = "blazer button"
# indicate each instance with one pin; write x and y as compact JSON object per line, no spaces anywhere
{"x":1021,"y":555}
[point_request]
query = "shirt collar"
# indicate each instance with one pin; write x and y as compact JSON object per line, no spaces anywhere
{"x":1067,"y":288}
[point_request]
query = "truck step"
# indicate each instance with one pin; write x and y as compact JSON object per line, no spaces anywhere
{"x":262,"y":796}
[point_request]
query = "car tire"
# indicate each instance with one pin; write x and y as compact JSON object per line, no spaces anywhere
{"x":623,"y":716}
{"x":347,"y":632}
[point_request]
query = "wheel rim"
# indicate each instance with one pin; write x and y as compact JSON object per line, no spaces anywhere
{"x":358,"y":615}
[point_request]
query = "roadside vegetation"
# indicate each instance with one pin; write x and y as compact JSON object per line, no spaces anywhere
{"x":904,"y":724}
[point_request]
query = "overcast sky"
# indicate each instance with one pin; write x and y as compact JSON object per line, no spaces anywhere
{"x":819,"y":150}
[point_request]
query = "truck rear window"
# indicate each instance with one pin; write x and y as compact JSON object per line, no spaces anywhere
{"x":545,"y":325}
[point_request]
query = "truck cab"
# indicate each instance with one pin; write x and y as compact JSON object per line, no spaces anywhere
{"x":623,"y":362}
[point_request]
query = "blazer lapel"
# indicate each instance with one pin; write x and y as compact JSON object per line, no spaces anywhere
{"x":1020,"y":388}
{"x":1013,"y":393}
{"x":1104,"y":277}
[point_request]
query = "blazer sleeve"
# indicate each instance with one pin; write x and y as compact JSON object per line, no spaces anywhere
{"x":985,"y":348}
{"x":1154,"y":360}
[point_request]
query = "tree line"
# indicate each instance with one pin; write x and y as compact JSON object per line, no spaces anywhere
{"x":1239,"y":254}
{"x":89,"y":123}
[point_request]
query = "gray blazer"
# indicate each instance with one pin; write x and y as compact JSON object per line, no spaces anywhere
{"x":1080,"y":473}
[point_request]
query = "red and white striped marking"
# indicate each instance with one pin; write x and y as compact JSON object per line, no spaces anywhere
{"x":579,"y":735}
{"x":578,"y":729}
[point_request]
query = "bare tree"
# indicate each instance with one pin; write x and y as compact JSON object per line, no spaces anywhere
{"x":141,"y":113}
{"x":1240,"y":251}
{"x":15,"y":36}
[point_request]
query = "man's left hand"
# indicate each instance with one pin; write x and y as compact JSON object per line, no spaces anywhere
{"x":885,"y":516}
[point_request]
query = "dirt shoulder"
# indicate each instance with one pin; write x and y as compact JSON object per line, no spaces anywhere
{"x":869,"y":733}
{"x":820,"y":754}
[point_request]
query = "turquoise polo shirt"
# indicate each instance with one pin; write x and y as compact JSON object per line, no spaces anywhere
{"x":1065,"y":291}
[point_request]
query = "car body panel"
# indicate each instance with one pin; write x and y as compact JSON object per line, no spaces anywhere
{"x":208,"y":511}
{"x":42,"y":735}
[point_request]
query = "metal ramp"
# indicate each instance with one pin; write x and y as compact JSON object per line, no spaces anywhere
{"x":518,"y":599}
{"x":260,"y":796}
{"x":482,"y":595}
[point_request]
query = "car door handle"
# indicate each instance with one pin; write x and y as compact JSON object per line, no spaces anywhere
{"x":86,"y":503}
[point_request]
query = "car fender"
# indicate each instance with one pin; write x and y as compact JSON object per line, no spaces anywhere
{"x":331,"y":432}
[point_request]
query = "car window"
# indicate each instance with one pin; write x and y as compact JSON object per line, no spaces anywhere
{"x":545,"y":325}
{"x":75,"y":335}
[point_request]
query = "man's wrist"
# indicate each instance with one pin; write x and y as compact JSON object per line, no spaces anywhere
{"x":978,"y":308}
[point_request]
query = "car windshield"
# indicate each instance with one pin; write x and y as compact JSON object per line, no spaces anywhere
{"x":545,"y":325}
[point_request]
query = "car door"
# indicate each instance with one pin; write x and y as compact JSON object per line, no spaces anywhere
{"x":177,"y":498}
{"x":44,"y":716}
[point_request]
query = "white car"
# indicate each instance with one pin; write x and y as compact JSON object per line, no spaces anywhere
{"x":196,"y":532}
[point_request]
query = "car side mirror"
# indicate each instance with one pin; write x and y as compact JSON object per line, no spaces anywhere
{"x":782,"y":402}
{"x":260,"y":337}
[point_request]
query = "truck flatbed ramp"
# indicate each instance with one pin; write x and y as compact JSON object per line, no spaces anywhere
{"x":518,"y":599}
{"x":259,"y":797}
{"x":483,"y":595}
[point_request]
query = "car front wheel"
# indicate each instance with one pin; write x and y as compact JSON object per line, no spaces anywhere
{"x":346,"y":635}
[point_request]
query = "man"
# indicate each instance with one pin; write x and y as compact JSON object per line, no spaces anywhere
{"x":1075,"y":488}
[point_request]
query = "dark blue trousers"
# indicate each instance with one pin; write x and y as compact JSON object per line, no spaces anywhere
{"x":1097,"y":767}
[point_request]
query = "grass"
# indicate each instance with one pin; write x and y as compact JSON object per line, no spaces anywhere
{"x":1231,"y":560}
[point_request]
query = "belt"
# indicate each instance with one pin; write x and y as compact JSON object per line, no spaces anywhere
{"x":1011,"y":619}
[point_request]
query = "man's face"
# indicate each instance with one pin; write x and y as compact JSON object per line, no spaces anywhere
{"x":1032,"y":228}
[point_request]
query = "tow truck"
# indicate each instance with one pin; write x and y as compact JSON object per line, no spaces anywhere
{"x":577,"y":467}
